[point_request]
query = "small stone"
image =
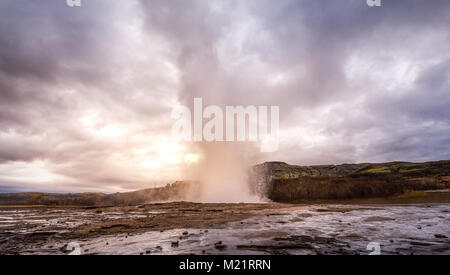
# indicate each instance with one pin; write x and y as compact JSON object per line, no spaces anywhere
{"x":220,"y":246}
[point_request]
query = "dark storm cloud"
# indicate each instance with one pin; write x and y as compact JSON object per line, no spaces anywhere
{"x":83,"y":89}
{"x":321,"y":35}
{"x":41,"y":38}
{"x":43,"y":45}
{"x":41,"y":41}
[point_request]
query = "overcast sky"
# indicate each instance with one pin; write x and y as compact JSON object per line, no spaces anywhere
{"x":86,"y":92}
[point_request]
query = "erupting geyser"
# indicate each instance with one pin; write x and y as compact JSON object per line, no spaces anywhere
{"x":223,"y":171}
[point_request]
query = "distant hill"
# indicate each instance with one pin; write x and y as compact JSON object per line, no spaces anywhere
{"x":174,"y":191}
{"x":282,"y":182}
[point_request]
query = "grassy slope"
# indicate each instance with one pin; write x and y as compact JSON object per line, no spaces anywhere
{"x":348,"y":181}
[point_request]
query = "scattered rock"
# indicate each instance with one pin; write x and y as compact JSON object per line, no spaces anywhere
{"x":276,"y":214}
{"x":266,"y":234}
{"x":220,"y":246}
{"x":421,"y":244}
{"x":378,"y":219}
{"x":441,"y":248}
{"x":305,"y":215}
{"x":353,"y":237}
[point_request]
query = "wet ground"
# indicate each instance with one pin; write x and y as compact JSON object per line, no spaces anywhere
{"x":189,"y":228}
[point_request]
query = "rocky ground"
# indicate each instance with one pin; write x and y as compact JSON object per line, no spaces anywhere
{"x":406,"y":227}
